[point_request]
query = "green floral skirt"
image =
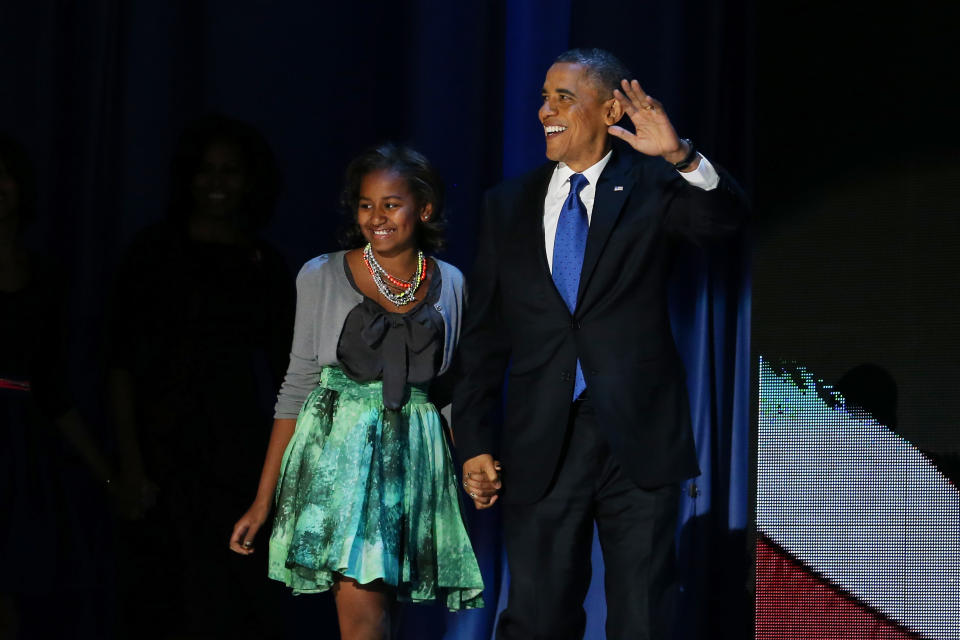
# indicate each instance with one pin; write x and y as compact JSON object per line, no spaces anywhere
{"x":370,"y":493}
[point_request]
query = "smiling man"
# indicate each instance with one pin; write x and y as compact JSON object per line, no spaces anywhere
{"x":569,"y":289}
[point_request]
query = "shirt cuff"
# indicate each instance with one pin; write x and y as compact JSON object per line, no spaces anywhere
{"x":704,"y":176}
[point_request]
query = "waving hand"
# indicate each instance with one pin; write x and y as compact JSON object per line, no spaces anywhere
{"x":654,"y":135}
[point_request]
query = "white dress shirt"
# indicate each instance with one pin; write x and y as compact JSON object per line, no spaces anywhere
{"x":704,"y":176}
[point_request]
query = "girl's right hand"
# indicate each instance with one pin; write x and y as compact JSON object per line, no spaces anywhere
{"x":245,"y":530}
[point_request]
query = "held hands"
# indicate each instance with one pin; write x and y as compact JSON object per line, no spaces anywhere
{"x":245,"y":530}
{"x":654,"y":135}
{"x":481,"y":480}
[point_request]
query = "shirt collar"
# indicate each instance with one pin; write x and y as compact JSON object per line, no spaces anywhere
{"x":592,"y":174}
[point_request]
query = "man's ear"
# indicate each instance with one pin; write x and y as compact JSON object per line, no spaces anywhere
{"x":613,"y":112}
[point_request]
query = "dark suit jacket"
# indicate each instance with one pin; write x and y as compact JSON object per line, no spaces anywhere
{"x":620,"y":329}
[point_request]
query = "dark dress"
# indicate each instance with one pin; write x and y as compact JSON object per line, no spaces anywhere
{"x":37,"y":545}
{"x":204,"y":331}
{"x":53,"y":546}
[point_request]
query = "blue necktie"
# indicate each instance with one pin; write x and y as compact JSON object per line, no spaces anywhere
{"x":568,"y":248}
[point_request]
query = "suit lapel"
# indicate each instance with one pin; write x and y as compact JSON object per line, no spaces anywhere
{"x":531,"y":209}
{"x":613,"y":188}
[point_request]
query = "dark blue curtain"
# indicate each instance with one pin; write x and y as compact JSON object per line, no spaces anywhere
{"x":99,"y":90}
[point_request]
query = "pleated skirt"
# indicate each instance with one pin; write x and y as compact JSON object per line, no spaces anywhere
{"x":370,"y":494}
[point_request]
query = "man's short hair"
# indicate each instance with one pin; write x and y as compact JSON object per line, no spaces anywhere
{"x":604,"y":68}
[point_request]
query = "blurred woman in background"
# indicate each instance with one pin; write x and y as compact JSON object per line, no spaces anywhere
{"x":201,"y":323}
{"x":52,"y":473}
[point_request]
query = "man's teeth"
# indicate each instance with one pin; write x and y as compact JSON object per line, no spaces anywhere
{"x":554,"y":129}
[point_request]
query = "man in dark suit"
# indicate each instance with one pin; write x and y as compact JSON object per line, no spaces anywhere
{"x":568,"y":293}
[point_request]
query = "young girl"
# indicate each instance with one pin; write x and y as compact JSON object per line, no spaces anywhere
{"x":366,"y":497}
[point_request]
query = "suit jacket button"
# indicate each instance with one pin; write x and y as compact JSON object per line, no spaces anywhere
{"x":575,"y":324}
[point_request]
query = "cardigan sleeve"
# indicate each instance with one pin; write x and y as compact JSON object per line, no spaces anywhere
{"x":453,"y":296}
{"x":303,"y":372}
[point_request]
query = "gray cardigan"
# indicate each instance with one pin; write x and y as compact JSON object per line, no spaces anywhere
{"x":324,"y":299}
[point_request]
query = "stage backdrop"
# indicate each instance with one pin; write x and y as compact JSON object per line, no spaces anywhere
{"x":98,"y":91}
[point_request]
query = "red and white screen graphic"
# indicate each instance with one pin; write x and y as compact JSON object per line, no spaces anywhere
{"x":858,"y":530}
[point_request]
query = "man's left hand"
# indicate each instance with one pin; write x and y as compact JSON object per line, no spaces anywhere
{"x":654,"y":135}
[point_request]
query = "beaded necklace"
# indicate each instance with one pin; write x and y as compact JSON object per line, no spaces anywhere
{"x":408,"y":288}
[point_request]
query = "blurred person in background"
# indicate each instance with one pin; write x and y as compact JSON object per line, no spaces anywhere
{"x":53,"y":474}
{"x":200,"y":330}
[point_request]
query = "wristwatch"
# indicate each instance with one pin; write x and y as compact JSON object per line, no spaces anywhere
{"x":689,"y":158}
